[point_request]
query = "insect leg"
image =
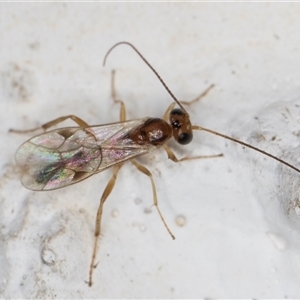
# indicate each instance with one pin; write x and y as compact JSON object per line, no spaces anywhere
{"x":172,"y":105}
{"x":145,"y":171}
{"x":173,"y":157}
{"x":203,"y":94}
{"x":167,"y":113}
{"x":104,"y":196}
{"x":116,"y":99}
{"x":52,"y":123}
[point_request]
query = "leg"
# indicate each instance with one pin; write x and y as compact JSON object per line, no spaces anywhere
{"x":52,"y":123}
{"x":104,"y":196}
{"x":116,"y":99}
{"x":145,"y":171}
{"x":109,"y":186}
{"x":167,"y":113}
{"x":172,"y":156}
{"x":172,"y":105}
{"x":203,"y":94}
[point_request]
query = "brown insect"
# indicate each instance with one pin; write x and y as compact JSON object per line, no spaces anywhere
{"x":65,"y":156}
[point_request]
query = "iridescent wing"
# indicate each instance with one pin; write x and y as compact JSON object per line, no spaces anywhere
{"x":61,"y":157}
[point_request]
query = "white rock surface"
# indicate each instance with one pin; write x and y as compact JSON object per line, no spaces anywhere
{"x":240,"y":235}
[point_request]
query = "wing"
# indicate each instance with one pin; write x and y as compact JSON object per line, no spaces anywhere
{"x":116,"y":146}
{"x":61,"y":157}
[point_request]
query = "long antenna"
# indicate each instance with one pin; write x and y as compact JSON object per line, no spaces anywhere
{"x":195,"y":127}
{"x":246,"y":145}
{"x":148,"y":64}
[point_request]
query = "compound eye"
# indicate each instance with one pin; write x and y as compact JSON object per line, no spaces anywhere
{"x":177,"y":112}
{"x":185,"y":138}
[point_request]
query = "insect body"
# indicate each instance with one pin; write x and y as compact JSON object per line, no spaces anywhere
{"x":65,"y":156}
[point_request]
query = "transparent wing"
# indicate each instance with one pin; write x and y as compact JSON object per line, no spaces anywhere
{"x":116,"y":145}
{"x":65,"y":156}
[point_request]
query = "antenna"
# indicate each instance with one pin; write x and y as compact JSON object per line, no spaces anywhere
{"x":148,"y":64}
{"x":246,"y":145}
{"x":195,"y":127}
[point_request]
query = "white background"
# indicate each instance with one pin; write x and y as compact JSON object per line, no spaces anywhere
{"x":241,"y":234}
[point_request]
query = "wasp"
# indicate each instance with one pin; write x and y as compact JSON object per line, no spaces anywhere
{"x":61,"y":157}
